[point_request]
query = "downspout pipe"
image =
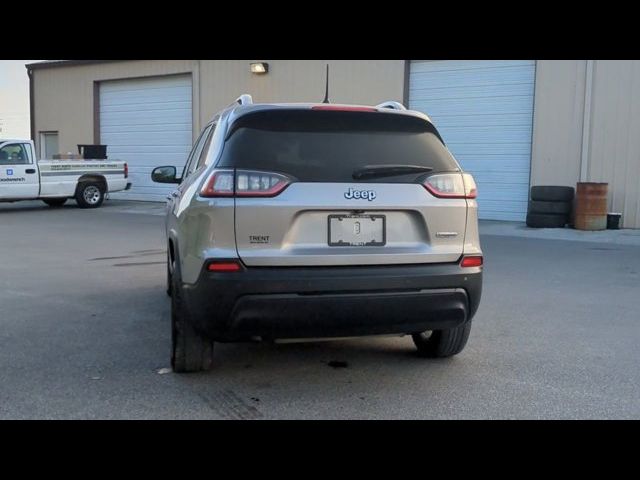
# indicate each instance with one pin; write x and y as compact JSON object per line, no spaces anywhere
{"x":32,"y":119}
{"x":586,"y":122}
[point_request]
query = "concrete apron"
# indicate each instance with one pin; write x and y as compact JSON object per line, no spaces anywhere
{"x":519,"y":229}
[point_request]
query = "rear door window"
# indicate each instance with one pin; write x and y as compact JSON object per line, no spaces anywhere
{"x":192,"y":162}
{"x":328,"y":146}
{"x":207,"y":145}
{"x":14,"y":154}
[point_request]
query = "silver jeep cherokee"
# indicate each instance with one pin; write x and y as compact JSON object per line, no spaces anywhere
{"x":299,"y":221}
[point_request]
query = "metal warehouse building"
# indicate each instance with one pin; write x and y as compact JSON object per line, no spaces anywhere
{"x":511,"y":123}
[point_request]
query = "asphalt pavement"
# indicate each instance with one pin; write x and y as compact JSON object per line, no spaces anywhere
{"x":84,"y":334}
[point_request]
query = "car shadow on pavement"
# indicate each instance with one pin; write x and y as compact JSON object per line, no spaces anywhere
{"x":252,"y":381}
{"x":366,"y":356}
{"x":7,"y":208}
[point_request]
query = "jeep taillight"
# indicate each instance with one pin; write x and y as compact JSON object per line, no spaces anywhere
{"x":451,"y":185}
{"x":260,"y":184}
{"x":126,"y":170}
{"x":219,"y":184}
{"x":244,"y":183}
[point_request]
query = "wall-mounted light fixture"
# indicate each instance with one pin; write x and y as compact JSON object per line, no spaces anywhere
{"x":260,"y":68}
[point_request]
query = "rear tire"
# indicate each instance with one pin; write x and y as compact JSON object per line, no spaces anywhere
{"x":54,"y":202}
{"x":552,"y":194}
{"x":442,"y":343}
{"x":541,"y":220}
{"x":169,"y":279}
{"x":90,"y":195}
{"x":190,"y":351}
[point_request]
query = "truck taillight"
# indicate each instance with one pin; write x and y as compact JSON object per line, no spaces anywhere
{"x":244,"y":183}
{"x":451,"y":185}
{"x":126,"y":170}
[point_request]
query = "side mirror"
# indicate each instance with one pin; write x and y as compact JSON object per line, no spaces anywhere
{"x":164,"y":175}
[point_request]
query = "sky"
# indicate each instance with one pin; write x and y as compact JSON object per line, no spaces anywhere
{"x":14,"y":99}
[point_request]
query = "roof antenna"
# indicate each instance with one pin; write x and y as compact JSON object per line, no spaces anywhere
{"x":326,"y":93}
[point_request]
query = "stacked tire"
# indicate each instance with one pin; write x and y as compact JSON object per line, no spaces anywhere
{"x":550,"y":206}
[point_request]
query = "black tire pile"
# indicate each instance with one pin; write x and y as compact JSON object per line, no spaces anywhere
{"x":550,"y":206}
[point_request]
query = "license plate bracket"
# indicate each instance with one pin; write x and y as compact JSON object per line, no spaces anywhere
{"x":357,"y":230}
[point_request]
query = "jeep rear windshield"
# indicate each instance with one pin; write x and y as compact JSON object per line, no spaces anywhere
{"x":329,"y":146}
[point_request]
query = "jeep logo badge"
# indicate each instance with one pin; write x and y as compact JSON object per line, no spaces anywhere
{"x":360,"y":194}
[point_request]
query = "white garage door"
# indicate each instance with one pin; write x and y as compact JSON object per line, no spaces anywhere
{"x":484,"y":112}
{"x":147,"y":123}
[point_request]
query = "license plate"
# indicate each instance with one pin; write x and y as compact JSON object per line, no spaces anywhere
{"x":357,"y":230}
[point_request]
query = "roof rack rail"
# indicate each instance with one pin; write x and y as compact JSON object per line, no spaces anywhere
{"x":392,"y":105}
{"x":244,"y":99}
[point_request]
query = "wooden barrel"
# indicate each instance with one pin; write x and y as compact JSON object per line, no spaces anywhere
{"x":591,"y":206}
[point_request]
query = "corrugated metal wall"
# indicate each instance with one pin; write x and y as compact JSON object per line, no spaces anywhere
{"x":614,"y":147}
{"x":64,"y":96}
{"x":557,"y":122}
{"x":351,"y":81}
{"x":613,"y":133}
{"x":64,"y":102}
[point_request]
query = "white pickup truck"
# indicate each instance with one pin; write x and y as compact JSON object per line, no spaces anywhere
{"x":22,"y":177}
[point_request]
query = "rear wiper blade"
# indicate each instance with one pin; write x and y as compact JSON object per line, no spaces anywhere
{"x":373,"y":171}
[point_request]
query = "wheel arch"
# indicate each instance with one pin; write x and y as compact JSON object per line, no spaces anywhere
{"x":92,"y":178}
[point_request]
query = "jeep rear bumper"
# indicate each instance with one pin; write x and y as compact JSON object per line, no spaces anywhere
{"x":296,"y":302}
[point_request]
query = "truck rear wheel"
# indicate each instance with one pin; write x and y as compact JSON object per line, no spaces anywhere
{"x":190,"y":351}
{"x":55,"y":202}
{"x":442,"y":343}
{"x":90,"y":195}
